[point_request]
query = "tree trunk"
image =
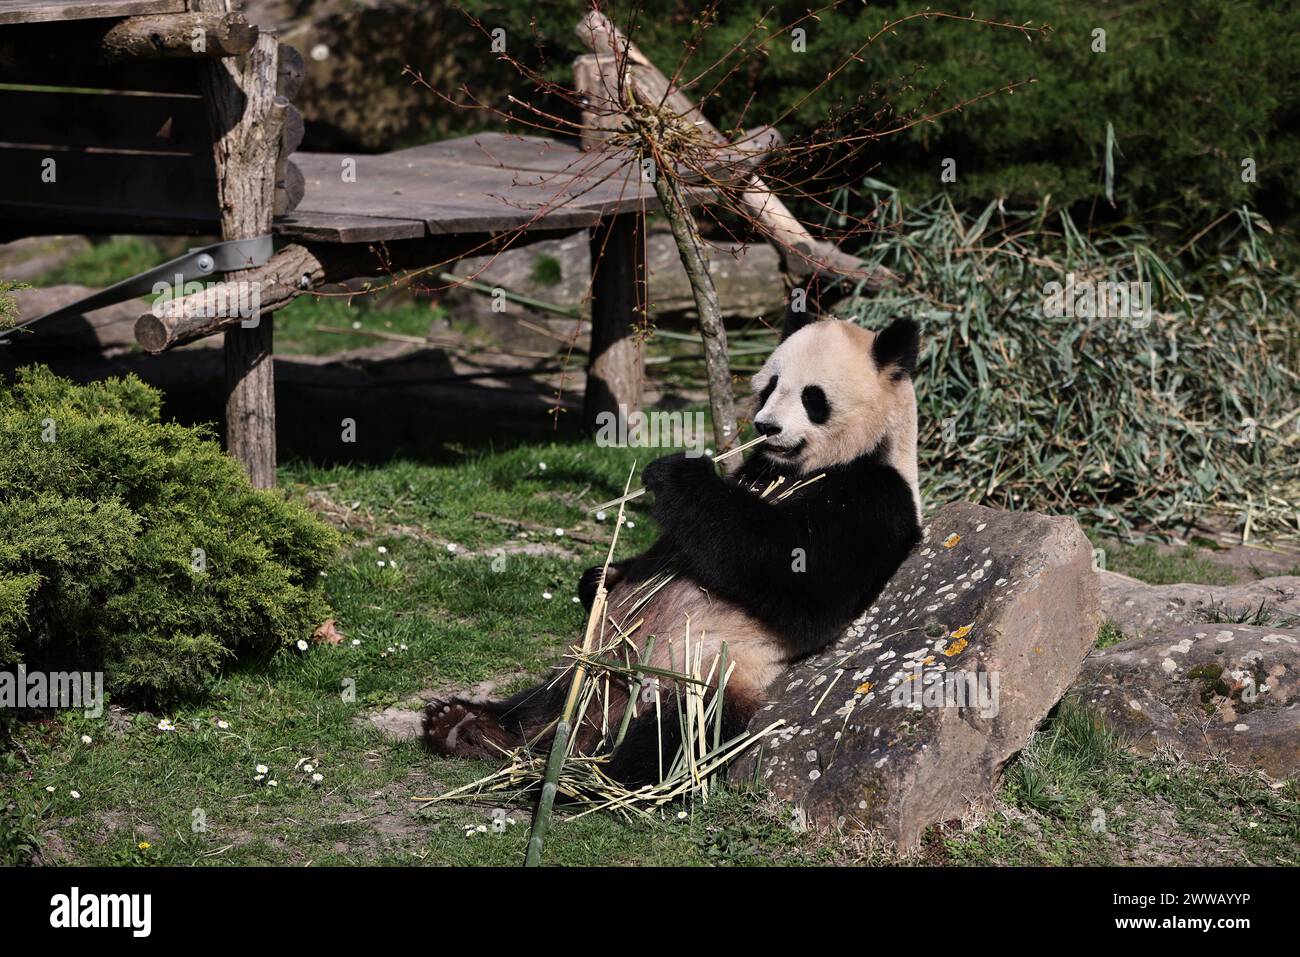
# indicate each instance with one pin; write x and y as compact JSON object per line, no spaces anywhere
{"x":722,"y":403}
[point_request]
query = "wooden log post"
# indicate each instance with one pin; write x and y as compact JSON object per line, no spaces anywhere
{"x":163,"y":36}
{"x":616,"y":368}
{"x":246,"y":116}
{"x":713,"y":333}
{"x":193,"y":36}
{"x":600,"y":116}
{"x":801,"y":253}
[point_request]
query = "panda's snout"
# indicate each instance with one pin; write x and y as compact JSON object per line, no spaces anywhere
{"x":766,"y":427}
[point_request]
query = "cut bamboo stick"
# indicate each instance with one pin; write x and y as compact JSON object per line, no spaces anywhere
{"x":560,"y":742}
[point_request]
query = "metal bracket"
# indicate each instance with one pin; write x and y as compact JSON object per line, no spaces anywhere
{"x":230,"y":255}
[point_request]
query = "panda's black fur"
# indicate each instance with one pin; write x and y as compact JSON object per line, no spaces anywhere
{"x":854,"y":528}
{"x":797,"y":570}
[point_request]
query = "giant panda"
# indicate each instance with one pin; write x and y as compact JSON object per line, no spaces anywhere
{"x":772,"y":579}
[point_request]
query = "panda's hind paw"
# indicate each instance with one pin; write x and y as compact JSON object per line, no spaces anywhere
{"x":458,"y":727}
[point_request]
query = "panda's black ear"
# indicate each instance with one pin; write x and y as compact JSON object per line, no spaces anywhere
{"x":898,"y":346}
{"x":794,"y":321}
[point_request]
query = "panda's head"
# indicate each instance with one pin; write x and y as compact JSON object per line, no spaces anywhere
{"x":833,"y":391}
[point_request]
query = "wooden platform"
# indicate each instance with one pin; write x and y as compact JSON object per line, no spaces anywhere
{"x":49,"y":11}
{"x":489,"y":183}
{"x":116,"y":124}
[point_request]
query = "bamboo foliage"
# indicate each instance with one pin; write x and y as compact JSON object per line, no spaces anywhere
{"x":1127,"y":425}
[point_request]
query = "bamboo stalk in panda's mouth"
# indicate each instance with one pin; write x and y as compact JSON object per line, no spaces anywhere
{"x":639,"y":492}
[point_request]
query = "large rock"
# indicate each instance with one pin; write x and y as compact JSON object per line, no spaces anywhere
{"x":1208,"y":670}
{"x":1139,"y":609}
{"x":110,"y":328}
{"x":24,"y":260}
{"x":909,"y":718}
{"x":1205,"y":689}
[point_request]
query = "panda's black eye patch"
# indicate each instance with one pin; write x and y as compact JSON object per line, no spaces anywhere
{"x":815,"y":404}
{"x":767,"y":392}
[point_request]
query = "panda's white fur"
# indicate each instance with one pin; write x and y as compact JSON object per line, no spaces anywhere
{"x":734,"y":558}
{"x":837,"y":357}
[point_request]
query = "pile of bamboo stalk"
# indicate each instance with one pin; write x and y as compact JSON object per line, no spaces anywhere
{"x":691,"y":700}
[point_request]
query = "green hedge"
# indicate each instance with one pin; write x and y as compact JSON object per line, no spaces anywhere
{"x":102,"y":509}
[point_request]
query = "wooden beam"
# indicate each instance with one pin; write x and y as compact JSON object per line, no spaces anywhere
{"x":166,"y":36}
{"x":176,"y":35}
{"x":599,"y":117}
{"x":594,"y":80}
{"x":616,"y":365}
{"x":41,"y":11}
{"x":246,"y":116}
{"x":106,"y":122}
{"x":274,"y":285}
{"x":297,"y":269}
{"x":290,"y":184}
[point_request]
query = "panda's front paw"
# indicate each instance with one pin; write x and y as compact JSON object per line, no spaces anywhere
{"x":590,"y":582}
{"x":676,"y":473}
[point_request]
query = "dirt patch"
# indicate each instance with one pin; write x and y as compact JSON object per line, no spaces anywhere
{"x":362,"y":522}
{"x":1153,"y":837}
{"x":353,"y":518}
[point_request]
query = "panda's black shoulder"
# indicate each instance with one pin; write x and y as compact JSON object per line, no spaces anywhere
{"x":866,"y":481}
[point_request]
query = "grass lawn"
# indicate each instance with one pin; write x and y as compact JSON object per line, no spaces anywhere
{"x":1155,"y":567}
{"x":431,"y":616}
